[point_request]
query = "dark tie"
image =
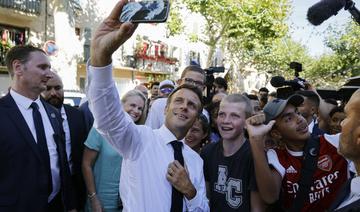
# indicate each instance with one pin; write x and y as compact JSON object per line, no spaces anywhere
{"x":66,"y":184}
{"x":41,"y":141}
{"x":65,"y":174}
{"x":177,"y":196}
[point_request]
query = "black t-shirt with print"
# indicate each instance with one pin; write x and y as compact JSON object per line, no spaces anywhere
{"x":231,"y":179}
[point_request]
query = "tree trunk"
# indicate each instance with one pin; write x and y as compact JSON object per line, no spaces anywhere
{"x":211,"y":53}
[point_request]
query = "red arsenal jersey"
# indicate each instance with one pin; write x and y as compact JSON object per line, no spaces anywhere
{"x":332,"y":171}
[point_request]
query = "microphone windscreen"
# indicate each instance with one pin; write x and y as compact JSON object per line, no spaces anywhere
{"x":323,"y":10}
{"x":277,"y":81}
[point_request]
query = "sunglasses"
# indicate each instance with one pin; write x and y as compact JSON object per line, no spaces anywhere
{"x":166,"y":90}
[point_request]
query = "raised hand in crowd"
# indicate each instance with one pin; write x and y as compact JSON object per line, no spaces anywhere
{"x":109,"y":36}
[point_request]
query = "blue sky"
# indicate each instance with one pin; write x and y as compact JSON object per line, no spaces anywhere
{"x":312,"y":36}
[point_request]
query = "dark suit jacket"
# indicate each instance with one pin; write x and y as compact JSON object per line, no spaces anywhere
{"x":317,"y":131}
{"x":89,"y":119}
{"x":78,"y":136}
{"x":23,"y":175}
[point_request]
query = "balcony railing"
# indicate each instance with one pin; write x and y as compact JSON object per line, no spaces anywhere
{"x":28,"y":6}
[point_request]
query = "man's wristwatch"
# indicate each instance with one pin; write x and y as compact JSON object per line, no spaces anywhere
{"x":92,"y":195}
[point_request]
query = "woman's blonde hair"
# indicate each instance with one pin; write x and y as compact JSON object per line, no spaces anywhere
{"x":132,"y":93}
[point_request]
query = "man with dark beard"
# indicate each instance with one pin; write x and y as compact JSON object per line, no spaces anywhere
{"x":75,"y":132}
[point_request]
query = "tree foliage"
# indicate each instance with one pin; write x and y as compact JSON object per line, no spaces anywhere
{"x":346,"y":46}
{"x":174,"y":25}
{"x":332,"y":70}
{"x":241,"y":25}
{"x":254,"y":33}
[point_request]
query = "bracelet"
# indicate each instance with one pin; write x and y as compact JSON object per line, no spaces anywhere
{"x":92,"y":195}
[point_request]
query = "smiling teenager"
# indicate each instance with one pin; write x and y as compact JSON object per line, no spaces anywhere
{"x":280,"y":168}
{"x":228,"y":165}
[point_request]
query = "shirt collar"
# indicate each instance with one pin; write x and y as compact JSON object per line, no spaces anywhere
{"x":167,"y":135}
{"x":311,"y":125}
{"x":63,"y":113}
{"x":294,"y":153}
{"x":355,"y":185}
{"x":23,"y":101}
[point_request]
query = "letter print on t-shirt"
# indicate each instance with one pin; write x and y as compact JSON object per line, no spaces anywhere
{"x":232,"y":188}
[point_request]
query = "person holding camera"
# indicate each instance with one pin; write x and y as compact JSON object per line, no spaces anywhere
{"x":307,"y":170}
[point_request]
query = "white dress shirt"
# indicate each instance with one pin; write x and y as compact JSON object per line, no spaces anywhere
{"x":23,"y":104}
{"x":146,"y":152}
{"x":66,"y":127}
{"x":156,"y":115}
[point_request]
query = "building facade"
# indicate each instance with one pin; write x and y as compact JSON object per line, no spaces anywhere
{"x":63,"y":29}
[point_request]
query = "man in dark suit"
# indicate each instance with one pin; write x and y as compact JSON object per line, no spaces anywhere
{"x":34,"y":173}
{"x":88,"y":117}
{"x":75,"y":132}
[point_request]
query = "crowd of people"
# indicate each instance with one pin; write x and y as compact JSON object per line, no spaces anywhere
{"x":162,"y":148}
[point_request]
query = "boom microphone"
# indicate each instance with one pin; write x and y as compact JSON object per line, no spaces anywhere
{"x":323,"y":10}
{"x":350,"y":6}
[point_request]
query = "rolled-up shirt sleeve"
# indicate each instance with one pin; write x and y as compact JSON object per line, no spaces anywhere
{"x":109,"y":118}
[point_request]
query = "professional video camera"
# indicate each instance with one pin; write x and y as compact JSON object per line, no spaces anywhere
{"x":288,"y":87}
{"x":210,"y":80}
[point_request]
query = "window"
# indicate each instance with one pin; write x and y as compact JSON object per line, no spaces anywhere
{"x":10,"y":36}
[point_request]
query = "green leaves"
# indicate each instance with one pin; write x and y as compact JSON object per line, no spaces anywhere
{"x":333,"y":69}
{"x":255,"y":33}
{"x":174,"y":24}
{"x":240,"y":25}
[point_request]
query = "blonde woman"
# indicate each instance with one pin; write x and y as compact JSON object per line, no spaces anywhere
{"x":101,"y":163}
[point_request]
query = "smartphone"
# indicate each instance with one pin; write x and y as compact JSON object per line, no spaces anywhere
{"x":150,"y":11}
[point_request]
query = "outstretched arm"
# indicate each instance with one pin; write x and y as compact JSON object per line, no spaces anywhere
{"x":268,"y":180}
{"x":109,"y":118}
{"x":109,"y":36}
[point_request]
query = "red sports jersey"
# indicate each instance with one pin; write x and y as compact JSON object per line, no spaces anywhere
{"x":332,"y":171}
